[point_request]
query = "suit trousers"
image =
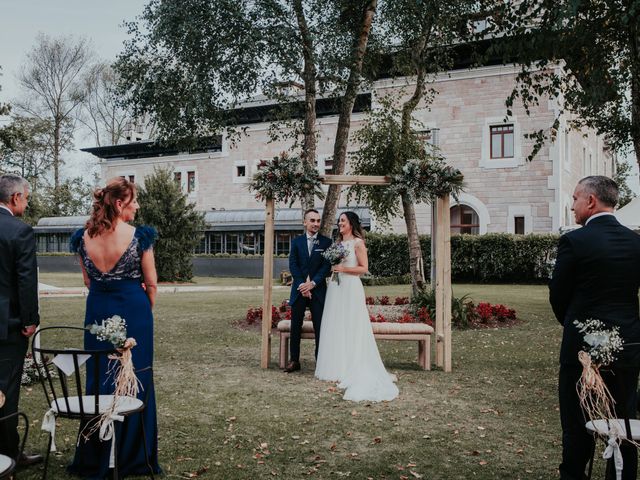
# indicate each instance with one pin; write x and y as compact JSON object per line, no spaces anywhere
{"x":297,"y":317}
{"x":577,"y":442}
{"x":12,"y":352}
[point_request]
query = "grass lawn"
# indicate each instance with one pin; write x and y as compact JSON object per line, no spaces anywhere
{"x":75,"y":280}
{"x":494,"y":417}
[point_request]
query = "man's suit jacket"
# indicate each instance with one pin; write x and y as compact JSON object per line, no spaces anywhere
{"x":316,"y":267}
{"x":18,"y":275}
{"x":597,"y":275}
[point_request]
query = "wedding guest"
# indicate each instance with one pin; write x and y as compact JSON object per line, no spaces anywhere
{"x":597,"y":275}
{"x":18,"y":305}
{"x":116,"y":258}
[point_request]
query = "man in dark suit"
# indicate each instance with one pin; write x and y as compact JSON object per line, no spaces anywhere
{"x":18,"y":304}
{"x":309,"y":270}
{"x":597,"y":275}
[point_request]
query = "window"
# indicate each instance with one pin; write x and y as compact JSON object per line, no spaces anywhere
{"x":518,"y":225}
{"x":177,"y":177}
{"x":464,"y":219}
{"x":428,"y":137}
{"x":501,"y":141}
{"x":232,"y":241}
{"x":328,"y":165}
{"x":132,"y":178}
{"x":283,"y":243}
{"x":191,"y":182}
{"x":241,"y":171}
{"x":215,"y":243}
{"x":248,"y":243}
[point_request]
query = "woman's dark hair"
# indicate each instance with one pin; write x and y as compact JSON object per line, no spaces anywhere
{"x":104,"y":211}
{"x":356,"y":227}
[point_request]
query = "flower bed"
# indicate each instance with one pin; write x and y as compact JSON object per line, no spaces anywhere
{"x":384,"y":309}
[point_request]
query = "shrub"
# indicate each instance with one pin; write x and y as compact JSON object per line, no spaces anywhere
{"x":496,"y":257}
{"x":401,"y":301}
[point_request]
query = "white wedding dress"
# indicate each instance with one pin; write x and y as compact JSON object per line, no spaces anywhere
{"x":347,"y":352}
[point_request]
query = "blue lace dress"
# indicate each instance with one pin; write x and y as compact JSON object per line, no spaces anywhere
{"x":119,"y":292}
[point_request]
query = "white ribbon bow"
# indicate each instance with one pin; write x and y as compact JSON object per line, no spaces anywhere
{"x":107,"y":432}
{"x":613,"y":450}
{"x":49,"y":425}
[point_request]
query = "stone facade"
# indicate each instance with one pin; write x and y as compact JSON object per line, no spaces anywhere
{"x":507,"y":194}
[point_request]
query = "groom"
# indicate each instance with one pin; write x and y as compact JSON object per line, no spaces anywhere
{"x":309,"y":270}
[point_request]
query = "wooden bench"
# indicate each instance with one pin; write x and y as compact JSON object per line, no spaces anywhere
{"x":419,"y":332}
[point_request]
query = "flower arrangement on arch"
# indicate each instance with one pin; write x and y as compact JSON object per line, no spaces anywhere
{"x":423,"y":180}
{"x":286,"y":179}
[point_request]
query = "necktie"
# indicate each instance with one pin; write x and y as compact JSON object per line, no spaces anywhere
{"x":310,"y":241}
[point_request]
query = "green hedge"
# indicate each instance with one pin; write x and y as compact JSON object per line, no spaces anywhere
{"x":495,"y":257}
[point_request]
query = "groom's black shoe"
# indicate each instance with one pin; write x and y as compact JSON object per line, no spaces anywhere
{"x":292,"y":367}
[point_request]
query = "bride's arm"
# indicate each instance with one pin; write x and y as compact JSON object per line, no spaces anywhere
{"x":361,"y":257}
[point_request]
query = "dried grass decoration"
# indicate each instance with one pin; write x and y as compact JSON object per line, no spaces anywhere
{"x":595,"y":398}
{"x":114,"y":330}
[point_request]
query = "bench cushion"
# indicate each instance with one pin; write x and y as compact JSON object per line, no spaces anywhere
{"x":378,"y":327}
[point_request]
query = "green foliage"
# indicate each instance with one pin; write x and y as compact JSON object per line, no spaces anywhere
{"x":72,"y":197}
{"x":581,"y":53}
{"x":286,"y":179}
{"x":412,"y":167}
{"x":623,"y":169}
{"x":461,"y":307}
{"x":491,"y":258}
{"x":165,"y":207}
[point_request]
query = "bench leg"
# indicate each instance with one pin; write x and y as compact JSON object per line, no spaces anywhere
{"x":424,"y":354}
{"x":284,"y":349}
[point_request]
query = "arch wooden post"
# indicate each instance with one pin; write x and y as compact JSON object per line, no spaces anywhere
{"x":443,"y":284}
{"x":267,"y":283}
{"x":443,"y":270}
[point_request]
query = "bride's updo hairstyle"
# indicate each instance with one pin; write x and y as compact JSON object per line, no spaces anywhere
{"x":356,"y":227}
{"x":104,"y":211}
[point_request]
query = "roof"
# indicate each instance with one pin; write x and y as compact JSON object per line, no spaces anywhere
{"x":216,"y":220}
{"x":150,"y":148}
{"x":285,"y":219}
{"x":629,"y":215}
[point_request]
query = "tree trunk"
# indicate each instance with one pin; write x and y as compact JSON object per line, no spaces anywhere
{"x":309,"y":78}
{"x":344,"y":122}
{"x":416,"y":262}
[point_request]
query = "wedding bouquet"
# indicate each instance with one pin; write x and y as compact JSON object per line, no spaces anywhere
{"x":335,"y":254}
{"x":113,"y":330}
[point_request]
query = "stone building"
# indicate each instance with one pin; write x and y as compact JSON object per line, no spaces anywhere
{"x":467,"y":119}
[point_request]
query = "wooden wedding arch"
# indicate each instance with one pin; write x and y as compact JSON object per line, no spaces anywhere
{"x":440,"y":231}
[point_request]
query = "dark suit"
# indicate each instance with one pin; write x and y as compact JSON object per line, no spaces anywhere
{"x":18,"y":309}
{"x":316,"y":268}
{"x":597,"y":275}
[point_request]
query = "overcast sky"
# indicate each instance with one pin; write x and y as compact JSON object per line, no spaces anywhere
{"x":100,"y":21}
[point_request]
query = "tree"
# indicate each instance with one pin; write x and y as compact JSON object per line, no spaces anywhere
{"x":101,"y":112}
{"x":623,"y":169}
{"x":420,"y":38}
{"x":27,"y":149}
{"x":180,"y":227}
{"x":584,"y":54}
{"x":52,"y":83}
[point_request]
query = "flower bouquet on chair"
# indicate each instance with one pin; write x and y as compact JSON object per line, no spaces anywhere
{"x":114,"y":330}
{"x":335,"y":254}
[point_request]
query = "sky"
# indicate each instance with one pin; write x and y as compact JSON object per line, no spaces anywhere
{"x":99,"y":21}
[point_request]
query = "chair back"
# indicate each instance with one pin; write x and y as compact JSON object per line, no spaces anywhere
{"x":62,"y":367}
{"x":7,"y":465}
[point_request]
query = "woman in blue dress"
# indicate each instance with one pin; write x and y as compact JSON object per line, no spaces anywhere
{"x":119,"y":269}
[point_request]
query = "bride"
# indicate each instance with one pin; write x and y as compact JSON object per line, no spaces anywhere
{"x":347,"y":351}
